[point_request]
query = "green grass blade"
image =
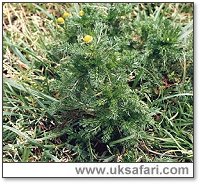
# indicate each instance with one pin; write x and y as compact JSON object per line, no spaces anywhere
{"x":172,"y":96}
{"x":44,"y":11}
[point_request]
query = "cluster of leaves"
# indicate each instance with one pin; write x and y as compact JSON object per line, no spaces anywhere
{"x":93,"y":80}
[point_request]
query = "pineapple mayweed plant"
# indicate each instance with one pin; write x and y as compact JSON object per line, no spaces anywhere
{"x":96,"y":103}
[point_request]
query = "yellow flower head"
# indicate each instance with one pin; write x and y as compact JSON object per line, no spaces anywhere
{"x":66,"y":15}
{"x":60,"y":20}
{"x":81,"y":13}
{"x":87,"y":39}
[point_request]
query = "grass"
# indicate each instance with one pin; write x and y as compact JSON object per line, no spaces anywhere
{"x":163,"y":81}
